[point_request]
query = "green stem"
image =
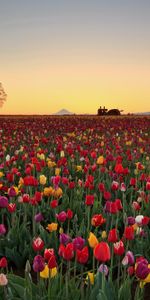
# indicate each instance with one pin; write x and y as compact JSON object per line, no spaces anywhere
{"x":33,"y":221}
{"x":103,"y":281}
{"x":112,"y":260}
{"x":88,"y":213}
{"x":93,"y":264}
{"x":118,"y":275}
{"x":75,"y":266}
{"x":82,"y":283}
{"x":66,"y":283}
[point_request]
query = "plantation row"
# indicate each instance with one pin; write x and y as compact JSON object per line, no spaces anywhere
{"x":74,"y":208}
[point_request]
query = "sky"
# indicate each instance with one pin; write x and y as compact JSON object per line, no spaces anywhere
{"x":75,"y":54}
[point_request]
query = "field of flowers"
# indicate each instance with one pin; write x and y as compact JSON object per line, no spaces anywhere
{"x":74,"y":208}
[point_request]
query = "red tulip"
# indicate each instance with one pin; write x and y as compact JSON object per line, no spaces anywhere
{"x":37,"y":244}
{"x":3,"y":262}
{"x":112,"y":236}
{"x":71,"y":185}
{"x":145,"y":220}
{"x":26,"y":198}
{"x":119,"y":248}
{"x":66,"y":252}
{"x":129,"y":233}
{"x":115,"y":186}
{"x":48,"y":253}
{"x":130,"y":270}
{"x":11,"y":207}
{"x":97,"y":220}
{"x":83,"y":255}
{"x":102,"y":252}
{"x":148,"y":185}
{"x":111,"y":207}
{"x":62,"y":216}
{"x":54,"y":203}
{"x":38,"y":196}
{"x":65,"y":181}
{"x":133,"y":181}
{"x":101,"y":187}
{"x":89,"y":200}
{"x":52,"y":262}
{"x":69,"y":214}
{"x":107,"y":195}
{"x":119,"y":168}
{"x":118,"y":204}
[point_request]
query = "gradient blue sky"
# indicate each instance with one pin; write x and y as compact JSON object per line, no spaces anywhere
{"x":75,"y":54}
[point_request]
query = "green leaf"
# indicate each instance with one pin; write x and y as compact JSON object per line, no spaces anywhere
{"x":101,"y":296}
{"x":125,"y":290}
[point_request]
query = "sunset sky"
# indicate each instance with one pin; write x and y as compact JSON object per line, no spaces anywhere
{"x":75,"y":54}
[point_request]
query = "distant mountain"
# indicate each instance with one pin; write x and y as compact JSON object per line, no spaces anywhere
{"x":63,"y":112}
{"x":144,"y":113}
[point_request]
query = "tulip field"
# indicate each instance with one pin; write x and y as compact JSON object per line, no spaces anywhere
{"x":74,"y":208}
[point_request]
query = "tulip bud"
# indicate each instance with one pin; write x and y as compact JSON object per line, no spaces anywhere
{"x":3,"y":280}
{"x":103,"y":269}
{"x":38,"y":263}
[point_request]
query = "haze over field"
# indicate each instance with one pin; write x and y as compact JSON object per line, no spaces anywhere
{"x":75,"y":54}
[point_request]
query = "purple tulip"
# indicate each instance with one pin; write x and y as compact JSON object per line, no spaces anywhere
{"x":103,"y":269}
{"x":38,"y":263}
{"x":12,"y":192}
{"x":131,"y":220}
{"x":142,"y":270}
{"x":38,"y":217}
{"x":128,"y":259}
{"x":3,"y":201}
{"x":78,"y":243}
{"x":64,"y":238}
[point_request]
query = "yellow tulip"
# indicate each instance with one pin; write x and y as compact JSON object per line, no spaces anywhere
{"x":42,"y":156}
{"x":100,"y":160}
{"x":57,"y":171}
{"x":62,"y":154}
{"x":144,"y":281}
{"x":91,"y":277}
{"x":61,"y":230}
{"x":21,"y":181}
{"x":140,"y":139}
{"x":57,"y":193}
{"x":141,"y":150}
{"x":48,"y":191}
{"x":79,"y":168}
{"x":136,"y":172}
{"x":16,"y":190}
{"x":48,"y":272}
{"x":1,"y":174}
{"x":52,"y":227}
{"x":135,"y":227}
{"x":43,"y":179}
{"x":104,"y":234}
{"x":51,"y":164}
{"x":93,"y":241}
{"x":128,"y":143}
{"x":21,"y":149}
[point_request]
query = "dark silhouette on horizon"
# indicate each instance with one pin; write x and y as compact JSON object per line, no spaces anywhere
{"x":105,"y":112}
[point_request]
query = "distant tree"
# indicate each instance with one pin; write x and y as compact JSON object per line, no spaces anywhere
{"x":3,"y":95}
